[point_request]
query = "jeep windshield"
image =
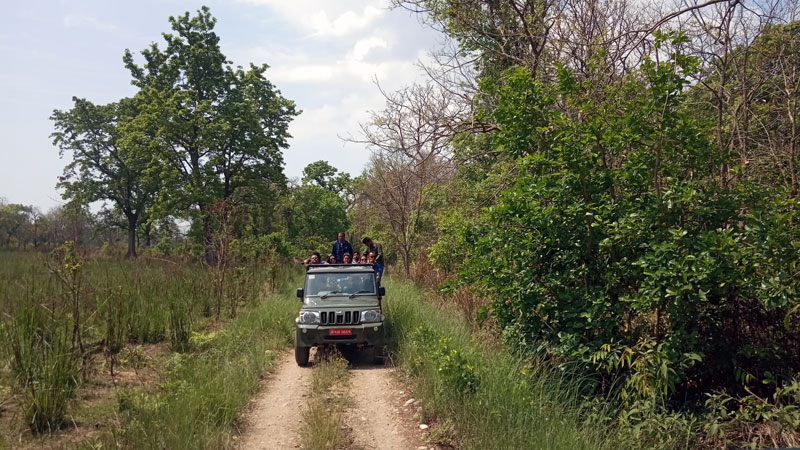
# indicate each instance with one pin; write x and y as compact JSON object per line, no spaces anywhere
{"x":326,"y":285}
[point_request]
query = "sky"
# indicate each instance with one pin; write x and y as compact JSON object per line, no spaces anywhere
{"x":324,"y":55}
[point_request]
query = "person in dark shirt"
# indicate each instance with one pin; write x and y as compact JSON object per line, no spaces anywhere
{"x":340,"y":247}
{"x":374,"y":247}
{"x":378,"y":268}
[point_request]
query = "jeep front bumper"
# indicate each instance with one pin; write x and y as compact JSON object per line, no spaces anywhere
{"x":362,"y":334}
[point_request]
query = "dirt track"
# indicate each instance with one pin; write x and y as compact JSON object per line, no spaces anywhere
{"x":276,"y":415}
{"x":380,"y":418}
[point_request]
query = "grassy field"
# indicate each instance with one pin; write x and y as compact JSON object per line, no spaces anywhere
{"x":128,"y":354}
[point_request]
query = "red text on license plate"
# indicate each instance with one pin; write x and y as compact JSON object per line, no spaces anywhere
{"x":340,"y":332}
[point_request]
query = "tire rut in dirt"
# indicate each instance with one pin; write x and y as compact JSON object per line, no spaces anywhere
{"x":374,"y":420}
{"x":274,"y":421}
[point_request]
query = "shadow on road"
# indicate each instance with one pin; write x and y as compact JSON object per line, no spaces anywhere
{"x":356,"y":359}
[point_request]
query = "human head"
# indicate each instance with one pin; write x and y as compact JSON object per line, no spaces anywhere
{"x":363,"y":259}
{"x":340,"y":236}
{"x":331,"y":259}
{"x":356,"y":256}
{"x":366,"y":241}
{"x":346,"y":258}
{"x":314,"y":259}
{"x":371,"y":257}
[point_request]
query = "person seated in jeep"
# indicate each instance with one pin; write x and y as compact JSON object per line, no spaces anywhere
{"x":346,"y":258}
{"x":313,"y":259}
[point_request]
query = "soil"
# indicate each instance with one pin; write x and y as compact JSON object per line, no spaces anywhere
{"x":378,"y":419}
{"x":381,"y":416}
{"x":274,"y":419}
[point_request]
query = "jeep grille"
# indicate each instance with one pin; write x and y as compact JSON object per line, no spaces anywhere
{"x":339,"y":317}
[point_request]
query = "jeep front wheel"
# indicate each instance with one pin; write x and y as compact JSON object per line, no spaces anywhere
{"x":301,"y":354}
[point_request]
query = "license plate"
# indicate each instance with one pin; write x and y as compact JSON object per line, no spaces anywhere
{"x":340,"y":332}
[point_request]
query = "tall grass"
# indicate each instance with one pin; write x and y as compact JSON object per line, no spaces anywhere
{"x":44,"y":363}
{"x":482,"y":397}
{"x":198,"y":404}
{"x":109,"y":303}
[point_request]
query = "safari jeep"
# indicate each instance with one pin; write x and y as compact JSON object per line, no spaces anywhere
{"x":341,"y":307}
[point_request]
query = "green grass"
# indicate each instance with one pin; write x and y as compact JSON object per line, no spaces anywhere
{"x":198,"y":405}
{"x":480,"y":396}
{"x":203,"y":386}
{"x":322,"y":421}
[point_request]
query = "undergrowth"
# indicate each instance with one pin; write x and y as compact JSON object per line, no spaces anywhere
{"x":479,"y":397}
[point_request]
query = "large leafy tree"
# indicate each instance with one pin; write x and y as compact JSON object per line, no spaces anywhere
{"x":111,"y":158}
{"x":223,"y":127}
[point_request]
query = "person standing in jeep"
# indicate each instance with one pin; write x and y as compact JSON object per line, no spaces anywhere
{"x":373,"y":247}
{"x":340,"y":247}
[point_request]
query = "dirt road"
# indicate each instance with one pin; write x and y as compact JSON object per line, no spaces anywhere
{"x":274,"y":420}
{"x":378,"y":418}
{"x":381,"y":416}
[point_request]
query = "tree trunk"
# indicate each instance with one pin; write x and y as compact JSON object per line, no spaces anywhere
{"x":147,"y":229}
{"x":132,"y":219}
{"x":210,"y":255}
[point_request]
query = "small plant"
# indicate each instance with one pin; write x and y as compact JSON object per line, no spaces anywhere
{"x":65,"y":263}
{"x":456,"y":370}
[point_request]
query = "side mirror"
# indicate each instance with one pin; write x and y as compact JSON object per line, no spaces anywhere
{"x":381,"y":291}
{"x":300,"y":293}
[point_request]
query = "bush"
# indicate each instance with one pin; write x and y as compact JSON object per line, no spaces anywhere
{"x":618,"y":248}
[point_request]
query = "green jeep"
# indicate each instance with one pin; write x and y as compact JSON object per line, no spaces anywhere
{"x":341,"y":307}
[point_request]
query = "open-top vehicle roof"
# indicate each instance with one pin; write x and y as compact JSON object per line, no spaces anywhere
{"x":336,"y":268}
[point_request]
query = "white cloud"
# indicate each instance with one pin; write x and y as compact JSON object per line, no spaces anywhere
{"x":78,"y":20}
{"x":363,"y":46}
{"x":345,"y":23}
{"x":325,"y":19}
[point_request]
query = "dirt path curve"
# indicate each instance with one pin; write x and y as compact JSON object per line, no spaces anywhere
{"x":376,"y":420}
{"x":276,"y":416}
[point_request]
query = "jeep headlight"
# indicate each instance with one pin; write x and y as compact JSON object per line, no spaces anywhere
{"x":371,"y":315}
{"x":308,"y":317}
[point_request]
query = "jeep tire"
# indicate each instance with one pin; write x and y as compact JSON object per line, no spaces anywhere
{"x":301,"y":354}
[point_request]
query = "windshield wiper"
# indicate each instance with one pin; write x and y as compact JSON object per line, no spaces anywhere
{"x":360,"y":292}
{"x":331,"y":293}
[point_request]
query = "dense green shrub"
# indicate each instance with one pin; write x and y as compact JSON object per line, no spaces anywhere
{"x":618,"y":247}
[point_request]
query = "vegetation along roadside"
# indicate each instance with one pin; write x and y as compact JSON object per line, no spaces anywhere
{"x":146,"y":366}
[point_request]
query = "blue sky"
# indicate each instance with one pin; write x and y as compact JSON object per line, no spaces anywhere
{"x":323,"y":55}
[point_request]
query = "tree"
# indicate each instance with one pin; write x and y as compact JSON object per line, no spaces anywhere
{"x":223,"y":128}
{"x":111,"y":158}
{"x":14,"y":223}
{"x":328,"y":177}
{"x":313,"y":215}
{"x":411,"y":140}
